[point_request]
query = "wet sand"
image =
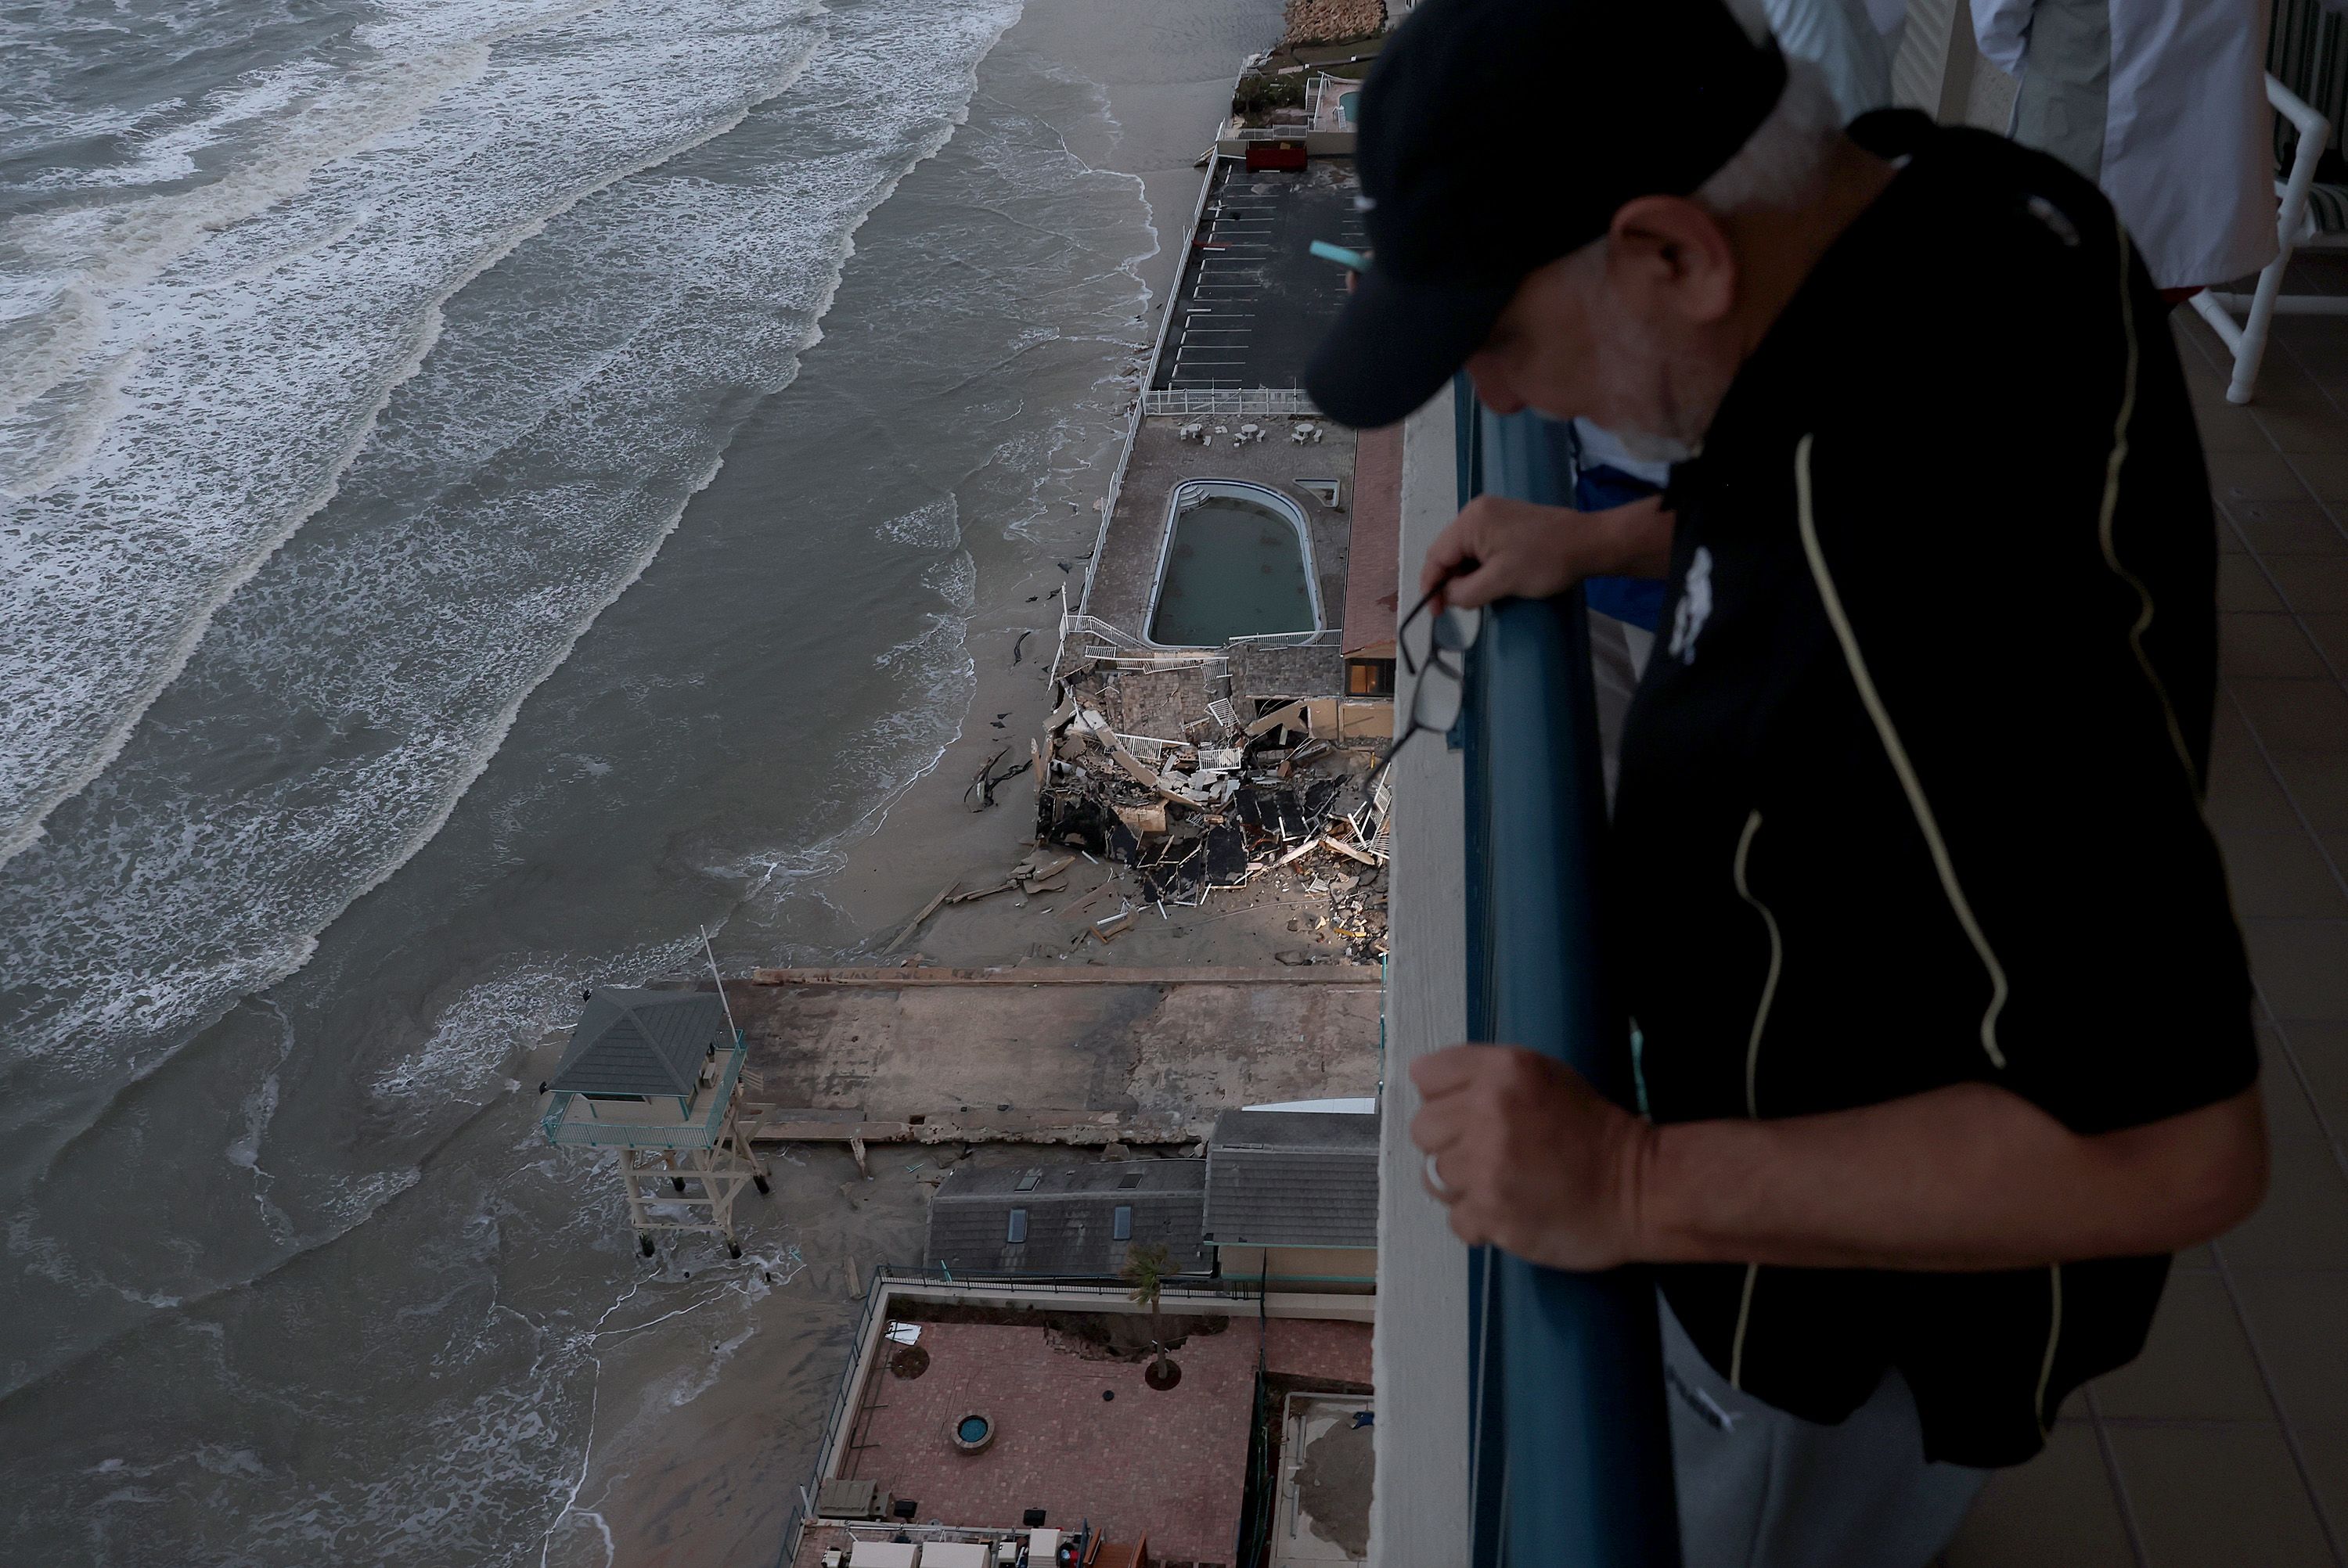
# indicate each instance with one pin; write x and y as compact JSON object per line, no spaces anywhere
{"x":702,"y":1466}
{"x":930,"y":836}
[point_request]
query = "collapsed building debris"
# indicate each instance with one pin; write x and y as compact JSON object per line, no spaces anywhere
{"x":1309,"y":22}
{"x":1222,"y":804}
{"x":982,"y":782}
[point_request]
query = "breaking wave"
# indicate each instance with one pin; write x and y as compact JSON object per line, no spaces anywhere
{"x":520,"y":476}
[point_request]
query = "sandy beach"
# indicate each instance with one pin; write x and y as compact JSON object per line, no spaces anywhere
{"x":557,"y":507}
{"x":709,"y":1479}
{"x":931,"y":838}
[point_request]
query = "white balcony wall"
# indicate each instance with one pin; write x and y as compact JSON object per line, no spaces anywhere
{"x":1419,"y":1513}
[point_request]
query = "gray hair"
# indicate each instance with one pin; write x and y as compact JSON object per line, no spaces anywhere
{"x":1783,"y":162}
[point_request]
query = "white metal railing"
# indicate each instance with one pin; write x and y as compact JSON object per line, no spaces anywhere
{"x":1116,"y":640}
{"x":1292,"y":400}
{"x":1216,"y":666}
{"x":1074,"y":624}
{"x":1116,"y":646}
{"x":1324,"y":102}
{"x":1327,"y":637}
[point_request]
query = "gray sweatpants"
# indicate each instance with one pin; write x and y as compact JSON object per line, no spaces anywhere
{"x":1761,"y":1489}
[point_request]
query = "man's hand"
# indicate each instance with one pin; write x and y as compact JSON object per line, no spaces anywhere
{"x":1499,"y":548}
{"x":1529,"y":1157}
{"x":1533,"y":1160}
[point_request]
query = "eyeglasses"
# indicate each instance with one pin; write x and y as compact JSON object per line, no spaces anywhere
{"x":1441,"y":679}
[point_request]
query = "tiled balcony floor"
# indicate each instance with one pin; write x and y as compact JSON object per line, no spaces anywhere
{"x":2227,"y":1443}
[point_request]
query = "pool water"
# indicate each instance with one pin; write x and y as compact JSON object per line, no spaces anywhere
{"x":1236,"y":569}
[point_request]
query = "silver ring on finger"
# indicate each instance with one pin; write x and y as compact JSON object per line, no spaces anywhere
{"x":1435,"y":1184}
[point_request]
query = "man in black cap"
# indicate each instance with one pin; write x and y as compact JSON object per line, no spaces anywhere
{"x":1943,"y":1012}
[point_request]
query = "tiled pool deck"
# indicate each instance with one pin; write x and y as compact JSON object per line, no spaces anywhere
{"x":2227,"y":1442}
{"x":1125,"y":578}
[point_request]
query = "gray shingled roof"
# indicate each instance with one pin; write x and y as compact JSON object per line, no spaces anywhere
{"x":1293,"y":1178}
{"x":641,"y":1042}
{"x":1071,"y":1215}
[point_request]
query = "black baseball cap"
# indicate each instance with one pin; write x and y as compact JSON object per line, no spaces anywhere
{"x":1498,"y":134}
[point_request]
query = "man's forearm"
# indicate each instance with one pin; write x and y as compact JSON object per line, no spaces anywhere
{"x":1968,"y":1177}
{"x":1497,"y":547}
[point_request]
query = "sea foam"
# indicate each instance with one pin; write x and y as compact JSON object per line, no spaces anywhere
{"x":189,"y":371}
{"x":530,"y":466}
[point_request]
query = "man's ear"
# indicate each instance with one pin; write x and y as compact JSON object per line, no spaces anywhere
{"x":1667,"y":256}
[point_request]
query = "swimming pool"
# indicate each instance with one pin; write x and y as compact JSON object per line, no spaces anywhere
{"x":1238,"y":563}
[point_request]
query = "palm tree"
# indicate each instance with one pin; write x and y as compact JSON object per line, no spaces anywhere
{"x":1147,"y":1269}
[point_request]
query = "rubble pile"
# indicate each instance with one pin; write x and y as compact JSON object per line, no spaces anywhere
{"x":1331,"y":21}
{"x":1356,"y":914}
{"x":1228,"y":802}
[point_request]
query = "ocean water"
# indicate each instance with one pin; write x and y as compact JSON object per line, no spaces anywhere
{"x":486,"y":491}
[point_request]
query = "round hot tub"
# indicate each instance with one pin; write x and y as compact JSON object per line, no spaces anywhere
{"x":972,"y":1432}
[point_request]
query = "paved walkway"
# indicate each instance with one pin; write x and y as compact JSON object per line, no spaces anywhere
{"x":1182,"y":1043}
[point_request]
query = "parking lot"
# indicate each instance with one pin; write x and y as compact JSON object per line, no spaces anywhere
{"x":1253,"y":300}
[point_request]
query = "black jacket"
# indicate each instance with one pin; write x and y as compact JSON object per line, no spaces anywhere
{"x":1911,"y":792}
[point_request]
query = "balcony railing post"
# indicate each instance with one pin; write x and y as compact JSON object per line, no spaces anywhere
{"x":1571,"y":1450}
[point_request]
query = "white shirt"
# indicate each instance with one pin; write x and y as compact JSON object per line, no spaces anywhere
{"x":2187,"y":158}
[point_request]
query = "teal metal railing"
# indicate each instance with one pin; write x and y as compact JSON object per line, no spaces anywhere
{"x":1569,"y":1450}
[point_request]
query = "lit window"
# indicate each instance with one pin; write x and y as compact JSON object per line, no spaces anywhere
{"x":1019,"y":1232}
{"x":1121,"y":1227}
{"x":1369,"y":677}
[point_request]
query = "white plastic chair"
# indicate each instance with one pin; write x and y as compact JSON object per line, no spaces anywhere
{"x":2247,"y":338}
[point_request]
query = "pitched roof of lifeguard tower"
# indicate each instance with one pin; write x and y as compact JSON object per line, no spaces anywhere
{"x":641,"y":1042}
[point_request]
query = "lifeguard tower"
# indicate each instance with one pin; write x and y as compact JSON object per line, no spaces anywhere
{"x":652,"y":1076}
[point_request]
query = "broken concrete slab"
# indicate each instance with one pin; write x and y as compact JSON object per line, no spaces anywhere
{"x":1150,"y":1045}
{"x":1143,"y":820}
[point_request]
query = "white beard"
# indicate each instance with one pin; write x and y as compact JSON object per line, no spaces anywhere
{"x":1640,"y":444}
